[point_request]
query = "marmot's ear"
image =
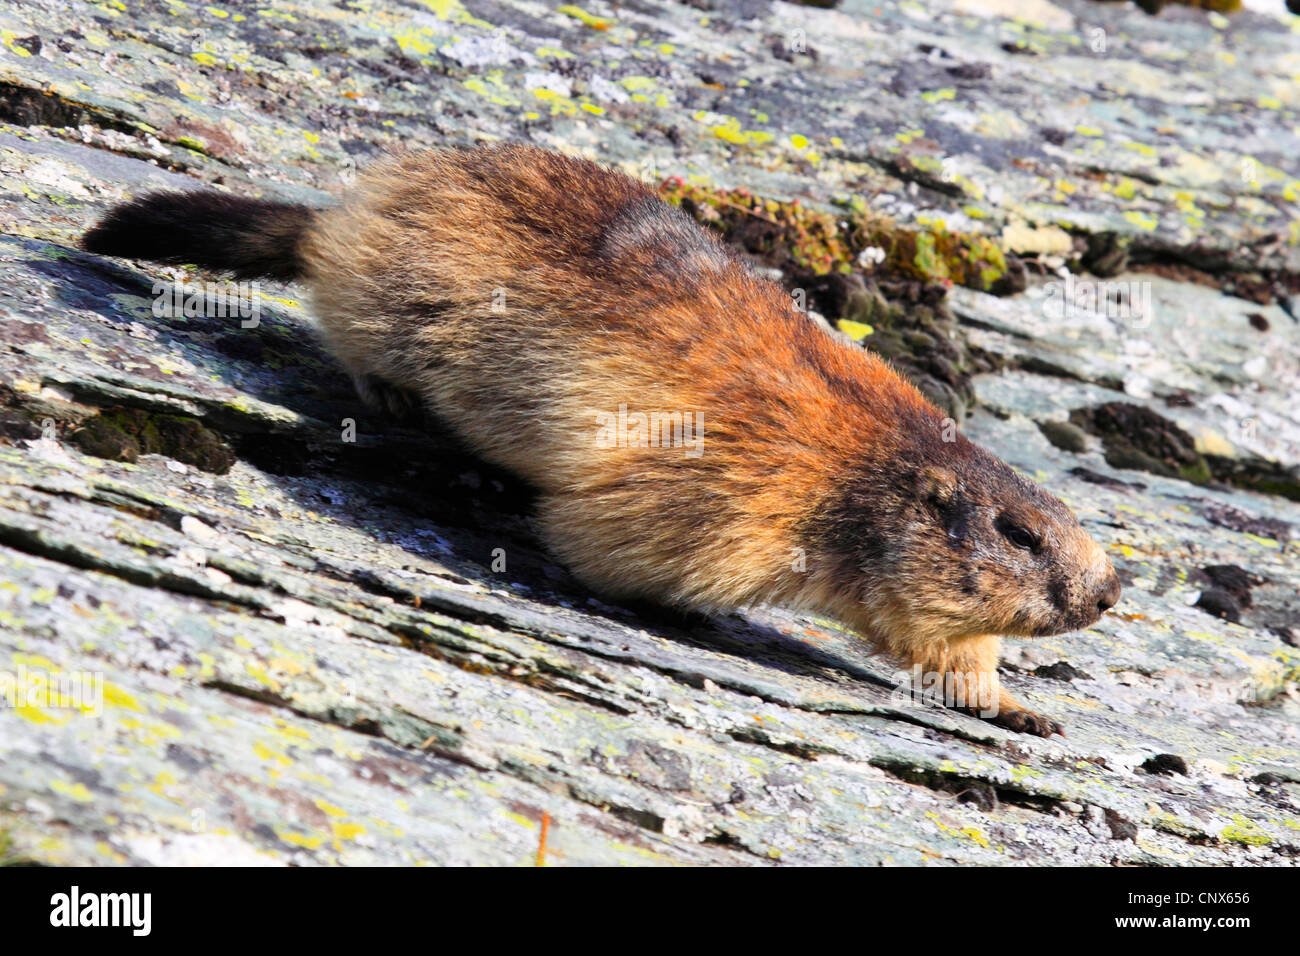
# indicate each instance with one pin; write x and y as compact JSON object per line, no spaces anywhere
{"x":936,"y":484}
{"x":940,"y":491}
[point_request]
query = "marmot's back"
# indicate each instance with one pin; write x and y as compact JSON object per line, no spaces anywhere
{"x":512,"y":217}
{"x":525,"y":292}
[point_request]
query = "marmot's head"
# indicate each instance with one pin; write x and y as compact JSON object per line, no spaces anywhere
{"x":946,"y":541}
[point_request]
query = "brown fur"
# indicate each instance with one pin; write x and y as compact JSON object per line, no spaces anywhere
{"x":518,"y":293}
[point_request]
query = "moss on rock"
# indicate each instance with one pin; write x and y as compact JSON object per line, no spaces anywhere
{"x":784,"y":233}
{"x":124,"y":434}
{"x":1136,"y":437}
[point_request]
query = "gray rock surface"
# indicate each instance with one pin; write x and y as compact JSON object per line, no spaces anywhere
{"x":318,"y":650}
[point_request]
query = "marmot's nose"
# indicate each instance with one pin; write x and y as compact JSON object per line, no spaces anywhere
{"x":1108,"y":594}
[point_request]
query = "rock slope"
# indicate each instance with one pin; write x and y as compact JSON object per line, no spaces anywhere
{"x":325,"y":638}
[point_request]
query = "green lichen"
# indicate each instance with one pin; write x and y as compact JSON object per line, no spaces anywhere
{"x":1244,"y":831}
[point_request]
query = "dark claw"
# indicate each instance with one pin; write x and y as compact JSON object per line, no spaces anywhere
{"x":1027,"y":722}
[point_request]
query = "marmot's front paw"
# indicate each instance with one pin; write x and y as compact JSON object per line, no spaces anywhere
{"x":401,"y":403}
{"x":1027,"y":722}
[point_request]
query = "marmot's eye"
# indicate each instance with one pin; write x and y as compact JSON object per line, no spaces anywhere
{"x":1018,"y":535}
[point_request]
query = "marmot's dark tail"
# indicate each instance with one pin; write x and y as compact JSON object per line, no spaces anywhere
{"x":249,"y":237}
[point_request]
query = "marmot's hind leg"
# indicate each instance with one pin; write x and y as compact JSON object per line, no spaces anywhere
{"x":403,"y":404}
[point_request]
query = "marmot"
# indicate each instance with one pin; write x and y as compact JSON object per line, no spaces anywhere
{"x":695,"y":439}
